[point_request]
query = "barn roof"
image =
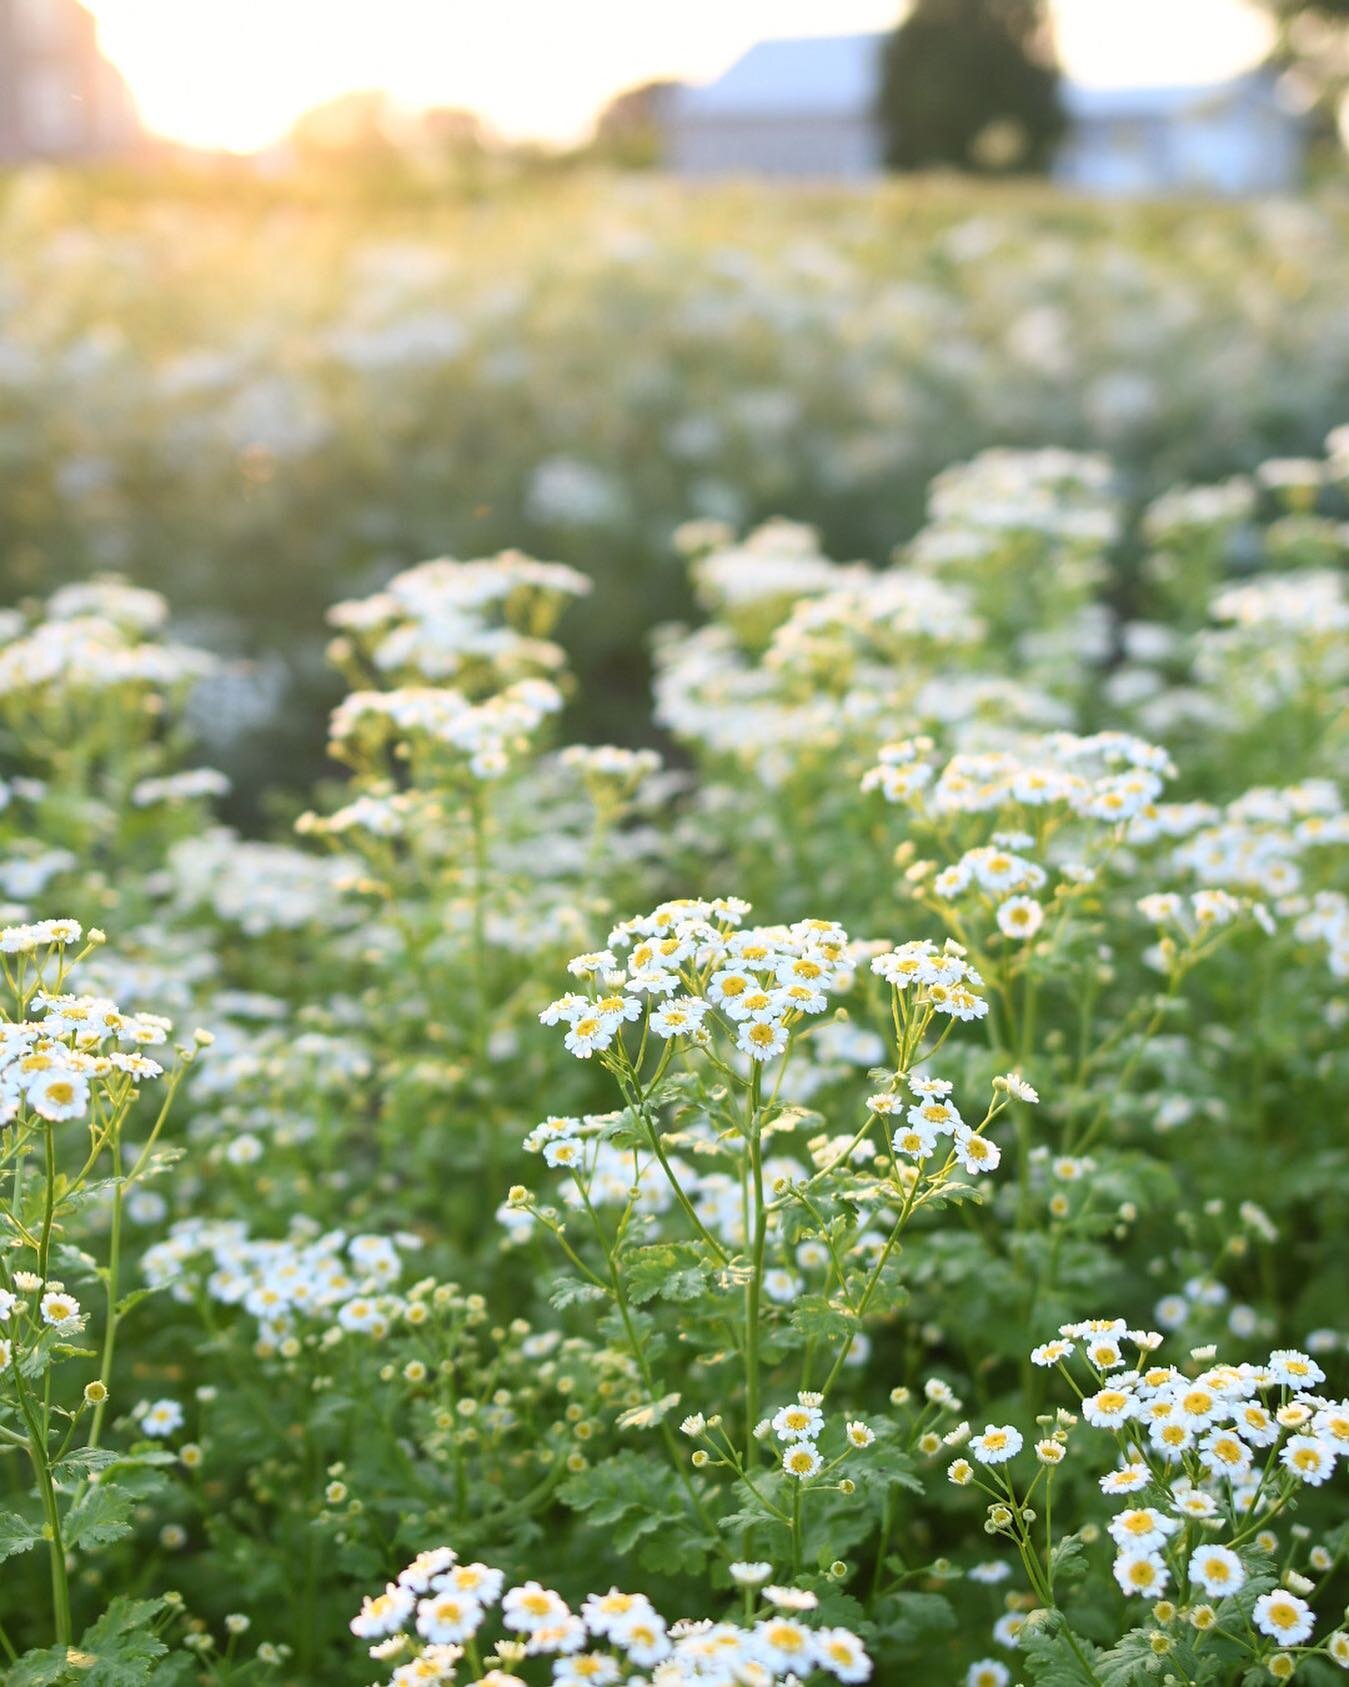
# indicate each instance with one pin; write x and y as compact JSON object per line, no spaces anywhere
{"x":816,"y":75}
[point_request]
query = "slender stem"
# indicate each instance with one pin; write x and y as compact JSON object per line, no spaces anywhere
{"x":114,"y":1265}
{"x":754,"y":1288}
{"x":37,"y":1449}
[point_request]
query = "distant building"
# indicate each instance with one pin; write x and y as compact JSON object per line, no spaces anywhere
{"x":786,"y":108}
{"x":1232,"y":137}
{"x":59,"y":97}
{"x":807,"y":108}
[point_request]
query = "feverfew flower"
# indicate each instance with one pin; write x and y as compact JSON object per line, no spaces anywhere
{"x":997,"y":1444}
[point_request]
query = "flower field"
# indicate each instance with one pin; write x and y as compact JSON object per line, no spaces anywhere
{"x":855,"y":1193}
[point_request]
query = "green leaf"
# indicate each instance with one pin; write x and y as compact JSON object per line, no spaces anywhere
{"x":630,"y":1496}
{"x":1054,"y":1660}
{"x":573,"y":1291}
{"x":44,"y":1668}
{"x":669,"y":1270}
{"x":1068,"y":1560}
{"x":17,"y":1534}
{"x":98,"y":1517}
{"x":123,"y":1645}
{"x":815,"y":1316}
{"x":911,"y":1618}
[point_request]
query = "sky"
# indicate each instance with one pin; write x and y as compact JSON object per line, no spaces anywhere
{"x":235,"y":74}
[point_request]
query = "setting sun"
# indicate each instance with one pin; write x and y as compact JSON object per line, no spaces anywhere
{"x":235,"y":74}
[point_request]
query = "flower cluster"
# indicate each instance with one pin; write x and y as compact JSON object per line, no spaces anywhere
{"x":433,"y":1614}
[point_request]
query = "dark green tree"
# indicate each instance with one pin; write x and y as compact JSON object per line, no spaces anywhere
{"x":973,"y":85}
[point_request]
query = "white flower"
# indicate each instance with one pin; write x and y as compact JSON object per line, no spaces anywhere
{"x":1141,"y":1572}
{"x":1295,"y":1370}
{"x":1284,"y":1617}
{"x":58,"y":1308}
{"x":987,"y":1672}
{"x":59,"y":1095}
{"x":1020,"y":917}
{"x":976,"y":1153}
{"x":383,"y":1613}
{"x":448,"y":1617}
{"x":1128,"y":1479}
{"x":997,"y":1444}
{"x":841,"y":1654}
{"x":798,"y":1422}
{"x":1308,"y":1458}
{"x":750,"y":1572}
{"x":802,"y":1460}
{"x":1217,"y":1569}
{"x":161,"y":1418}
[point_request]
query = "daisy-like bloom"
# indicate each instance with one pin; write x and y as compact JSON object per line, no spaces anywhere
{"x":1337,"y":1647}
{"x":1108,"y":1408}
{"x":642,"y":1636}
{"x":762,"y":1039}
{"x":782,"y":1645}
{"x":997,"y":1444}
{"x":917,"y":1141}
{"x":960,"y":1472}
{"x":1103,"y":1352}
{"x":448,"y":1618}
{"x":1308,"y":1458}
{"x":58,"y":1308}
{"x":1051,"y":1352}
{"x":859,"y":1434}
{"x":749,"y":1572}
{"x":1020,"y":917}
{"x":602,"y":1610}
{"x":802,"y":1460}
{"x":1141,"y":1530}
{"x":6,"y":1354}
{"x":987,"y":1672}
{"x":1295,"y":1370}
{"x":1194,"y":1502}
{"x":1018,"y":1087}
{"x":936,"y":1113}
{"x":1217,"y":1569}
{"x":424,"y":1566}
{"x":974,"y":1152}
{"x":1255,"y":1424}
{"x":383,"y":1613}
{"x":1284,"y":1617}
{"x":1050,"y":1451}
{"x":1128,"y":1479}
{"x":590,"y":1034}
{"x":479,"y":1581}
{"x":161,"y":1418}
{"x":679,"y":1017}
{"x":1142,"y":1573}
{"x":59,"y":1095}
{"x":925,"y":1086}
{"x":1225,"y":1454}
{"x":585,"y":1669}
{"x":531,"y":1608}
{"x":841,"y":1654}
{"x":799,"y":1422}
{"x":792,"y":1598}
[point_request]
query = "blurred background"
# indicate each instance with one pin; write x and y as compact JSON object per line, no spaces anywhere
{"x":295,"y":293}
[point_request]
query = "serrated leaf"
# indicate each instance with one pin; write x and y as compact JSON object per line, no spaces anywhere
{"x":44,"y":1668}
{"x":911,"y":1618}
{"x":668,"y":1270}
{"x":573,"y":1291}
{"x":123,"y":1645}
{"x":815,"y":1316}
{"x":17,"y":1534}
{"x":98,"y":1517}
